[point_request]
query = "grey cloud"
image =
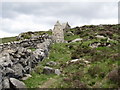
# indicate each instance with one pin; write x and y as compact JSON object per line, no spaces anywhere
{"x":119,"y":12}
{"x":48,"y":13}
{"x":83,"y":10}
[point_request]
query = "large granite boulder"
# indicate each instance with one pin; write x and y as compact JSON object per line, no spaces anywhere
{"x":16,"y":83}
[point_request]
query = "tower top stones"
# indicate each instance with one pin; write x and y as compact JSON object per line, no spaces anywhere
{"x":57,"y":23}
{"x":58,"y":32}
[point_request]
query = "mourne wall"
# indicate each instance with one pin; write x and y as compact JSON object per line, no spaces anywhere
{"x":17,"y":59}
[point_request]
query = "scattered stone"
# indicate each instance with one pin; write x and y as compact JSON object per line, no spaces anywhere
{"x":26,"y":76}
{"x":48,"y":70}
{"x":98,"y":44}
{"x":100,"y":36}
{"x":51,"y":63}
{"x":16,"y":83}
{"x":75,"y":60}
{"x":57,"y":71}
{"x":76,"y":40}
{"x":95,"y":44}
{"x":87,"y":62}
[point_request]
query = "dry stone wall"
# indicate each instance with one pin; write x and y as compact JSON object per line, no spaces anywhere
{"x":26,"y":43}
{"x":17,"y":60}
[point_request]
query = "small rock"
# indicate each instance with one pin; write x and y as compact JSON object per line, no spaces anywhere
{"x":100,"y":36}
{"x":77,"y":40}
{"x":26,"y":76}
{"x":57,"y":71}
{"x":75,"y":60}
{"x":87,"y":62}
{"x":16,"y":83}
{"x":51,"y":63}
{"x":95,"y":44}
{"x":48,"y":70}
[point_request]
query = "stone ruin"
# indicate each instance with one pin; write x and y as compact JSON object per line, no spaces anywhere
{"x":58,"y":32}
{"x":17,"y":59}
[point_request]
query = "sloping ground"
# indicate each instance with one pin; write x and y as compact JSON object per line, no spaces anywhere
{"x":96,"y":63}
{"x":22,"y":36}
{"x":8,"y":39}
{"x":48,"y":83}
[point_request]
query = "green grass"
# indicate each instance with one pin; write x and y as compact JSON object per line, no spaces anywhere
{"x":8,"y":39}
{"x":71,"y":37}
{"x":28,"y":35}
{"x":76,"y":75}
{"x":58,"y":53}
{"x":32,"y":49}
{"x":37,"y":79}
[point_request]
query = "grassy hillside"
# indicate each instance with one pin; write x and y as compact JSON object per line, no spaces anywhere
{"x":96,"y":68}
{"x":8,"y":39}
{"x":26,"y":35}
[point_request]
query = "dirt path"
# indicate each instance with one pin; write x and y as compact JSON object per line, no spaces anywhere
{"x":48,"y":83}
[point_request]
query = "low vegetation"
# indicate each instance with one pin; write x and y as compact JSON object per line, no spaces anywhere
{"x":8,"y":39}
{"x":103,"y":61}
{"x":96,"y":67}
{"x":26,"y":35}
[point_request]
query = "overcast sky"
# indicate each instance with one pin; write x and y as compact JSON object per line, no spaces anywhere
{"x":17,"y":17}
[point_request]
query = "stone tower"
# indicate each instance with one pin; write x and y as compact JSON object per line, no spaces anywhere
{"x":58,"y":32}
{"x":65,"y":27}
